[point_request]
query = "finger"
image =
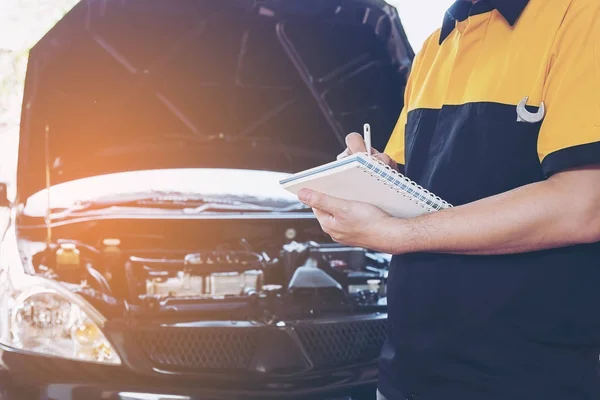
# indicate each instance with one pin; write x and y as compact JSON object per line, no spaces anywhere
{"x":347,"y":153}
{"x":383,"y":157}
{"x":386,"y":160}
{"x":355,"y":143}
{"x":343,"y":154}
{"x":323,"y":217}
{"x":329,"y":204}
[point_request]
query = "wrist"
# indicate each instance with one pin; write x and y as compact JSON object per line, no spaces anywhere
{"x":393,"y":235}
{"x":407,"y":235}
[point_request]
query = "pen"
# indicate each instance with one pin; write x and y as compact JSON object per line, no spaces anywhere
{"x":367,"y":136}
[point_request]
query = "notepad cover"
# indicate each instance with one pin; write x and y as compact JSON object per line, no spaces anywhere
{"x":361,"y":178}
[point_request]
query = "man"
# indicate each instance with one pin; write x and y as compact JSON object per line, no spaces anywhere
{"x":497,"y":298}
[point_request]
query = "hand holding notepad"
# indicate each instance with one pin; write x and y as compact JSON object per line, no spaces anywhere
{"x":362,"y":178}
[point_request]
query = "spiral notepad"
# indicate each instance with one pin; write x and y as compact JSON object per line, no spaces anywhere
{"x":366,"y":179}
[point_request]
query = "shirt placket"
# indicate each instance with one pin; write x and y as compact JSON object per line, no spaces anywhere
{"x":468,"y":37}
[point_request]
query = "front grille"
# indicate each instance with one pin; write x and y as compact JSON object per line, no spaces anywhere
{"x":204,"y":348}
{"x":330,"y":344}
{"x":342,"y":343}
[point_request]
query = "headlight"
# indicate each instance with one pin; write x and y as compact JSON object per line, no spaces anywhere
{"x":42,"y":316}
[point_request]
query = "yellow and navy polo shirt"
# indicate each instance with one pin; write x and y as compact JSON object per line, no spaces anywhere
{"x":521,"y":326}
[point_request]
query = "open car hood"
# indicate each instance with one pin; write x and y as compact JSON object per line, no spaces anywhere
{"x":121,"y":85}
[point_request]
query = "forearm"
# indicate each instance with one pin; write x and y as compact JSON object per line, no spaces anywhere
{"x":543,"y":215}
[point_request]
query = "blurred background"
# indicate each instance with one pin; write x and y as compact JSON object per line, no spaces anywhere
{"x":23,"y":22}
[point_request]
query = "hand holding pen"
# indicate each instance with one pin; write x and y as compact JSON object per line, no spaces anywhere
{"x":357,"y":144}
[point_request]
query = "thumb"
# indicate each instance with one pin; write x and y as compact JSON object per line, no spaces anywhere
{"x":355,"y":143}
{"x":329,"y":204}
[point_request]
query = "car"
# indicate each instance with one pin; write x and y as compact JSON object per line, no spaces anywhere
{"x":150,"y":252}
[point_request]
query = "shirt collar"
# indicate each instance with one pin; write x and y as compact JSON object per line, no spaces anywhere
{"x":461,"y":9}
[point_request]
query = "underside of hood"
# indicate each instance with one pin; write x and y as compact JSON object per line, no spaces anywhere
{"x":121,"y":85}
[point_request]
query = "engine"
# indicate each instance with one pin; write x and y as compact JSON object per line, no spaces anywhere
{"x":293,"y":279}
{"x":209,"y":273}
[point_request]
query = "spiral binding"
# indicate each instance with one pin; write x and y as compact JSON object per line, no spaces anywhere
{"x":418,"y":194}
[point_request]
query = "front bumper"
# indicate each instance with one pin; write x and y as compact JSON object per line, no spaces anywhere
{"x":320,"y":359}
{"x":51,"y":379}
{"x":29,"y":376}
{"x":77,"y":391}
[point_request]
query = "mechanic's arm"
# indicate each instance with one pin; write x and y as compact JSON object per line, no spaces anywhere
{"x":563,"y":210}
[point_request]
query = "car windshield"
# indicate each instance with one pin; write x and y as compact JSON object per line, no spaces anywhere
{"x":258,"y":187}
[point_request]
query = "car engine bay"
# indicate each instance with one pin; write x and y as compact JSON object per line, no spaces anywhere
{"x":281,"y":269}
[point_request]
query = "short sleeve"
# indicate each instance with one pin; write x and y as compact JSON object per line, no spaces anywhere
{"x":395,"y":146}
{"x":570,"y":133}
